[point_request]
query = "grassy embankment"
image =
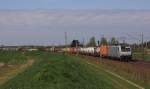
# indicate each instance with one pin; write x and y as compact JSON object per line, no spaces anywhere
{"x":130,"y":71}
{"x":59,"y":71}
{"x":11,"y":63}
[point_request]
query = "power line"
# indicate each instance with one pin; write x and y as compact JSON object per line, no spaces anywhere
{"x":140,"y":40}
{"x":133,"y":37}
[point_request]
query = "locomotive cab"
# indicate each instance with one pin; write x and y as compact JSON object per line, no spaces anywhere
{"x":125,"y":52}
{"x":120,"y":52}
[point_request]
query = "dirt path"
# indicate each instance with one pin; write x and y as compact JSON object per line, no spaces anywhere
{"x":9,"y":72}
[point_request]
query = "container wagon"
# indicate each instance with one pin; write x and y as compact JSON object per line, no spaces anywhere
{"x":91,"y":51}
{"x":104,"y":51}
{"x":97,"y":52}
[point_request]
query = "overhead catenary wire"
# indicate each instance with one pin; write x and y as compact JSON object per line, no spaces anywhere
{"x":141,"y":39}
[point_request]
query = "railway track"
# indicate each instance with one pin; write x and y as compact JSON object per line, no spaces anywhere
{"x":118,"y":76}
{"x":135,"y":70}
{"x":133,"y":62}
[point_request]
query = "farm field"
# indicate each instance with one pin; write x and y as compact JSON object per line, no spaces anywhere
{"x":63,"y":71}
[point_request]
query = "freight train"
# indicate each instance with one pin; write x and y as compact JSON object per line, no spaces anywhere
{"x":120,"y":52}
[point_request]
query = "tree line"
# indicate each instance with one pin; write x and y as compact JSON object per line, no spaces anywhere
{"x":104,"y":41}
{"x":92,"y":42}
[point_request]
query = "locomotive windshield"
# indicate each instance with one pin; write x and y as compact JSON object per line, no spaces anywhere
{"x":125,"y":49}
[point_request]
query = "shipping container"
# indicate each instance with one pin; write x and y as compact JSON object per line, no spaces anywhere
{"x":104,"y":51}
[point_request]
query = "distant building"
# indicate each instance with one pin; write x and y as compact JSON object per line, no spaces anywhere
{"x":9,"y":48}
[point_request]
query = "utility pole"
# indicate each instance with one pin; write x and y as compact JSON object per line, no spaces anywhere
{"x":142,"y":46}
{"x":98,"y":42}
{"x":76,"y":44}
{"x":83,"y":41}
{"x":66,"y":39}
{"x":141,"y":43}
{"x":146,"y":48}
{"x":124,"y":41}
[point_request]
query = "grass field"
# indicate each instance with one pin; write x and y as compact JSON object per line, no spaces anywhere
{"x":12,"y":63}
{"x":138,"y":55}
{"x":58,"y":71}
{"x":61,"y":71}
{"x":12,"y":57}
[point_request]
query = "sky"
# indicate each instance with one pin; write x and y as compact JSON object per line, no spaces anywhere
{"x":75,"y":4}
{"x":43,"y":22}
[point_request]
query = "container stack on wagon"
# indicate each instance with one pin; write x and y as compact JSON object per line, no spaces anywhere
{"x":56,"y":49}
{"x":104,"y":51}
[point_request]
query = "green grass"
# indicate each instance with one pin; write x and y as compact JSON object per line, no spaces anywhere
{"x":138,"y":56}
{"x":137,"y":76}
{"x":131,"y":76}
{"x":12,"y":57}
{"x":58,"y":71}
{"x":61,"y":71}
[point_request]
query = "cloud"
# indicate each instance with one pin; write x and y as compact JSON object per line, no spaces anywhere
{"x":70,"y":17}
{"x":45,"y":24}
